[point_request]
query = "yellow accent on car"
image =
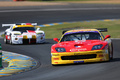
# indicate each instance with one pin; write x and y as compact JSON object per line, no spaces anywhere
{"x":33,"y":37}
{"x":57,"y":58}
{"x":25,"y":37}
{"x":17,"y":33}
{"x":39,"y":33}
{"x":23,"y":26}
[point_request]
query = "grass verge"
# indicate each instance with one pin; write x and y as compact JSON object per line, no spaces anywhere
{"x":56,"y":31}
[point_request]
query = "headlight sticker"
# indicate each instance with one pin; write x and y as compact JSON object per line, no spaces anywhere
{"x":96,"y":47}
{"x":60,"y":49}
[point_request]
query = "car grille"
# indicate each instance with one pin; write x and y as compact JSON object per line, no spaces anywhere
{"x":32,"y":40}
{"x":25,"y":41}
{"x":29,"y":41}
{"x":78,"y":57}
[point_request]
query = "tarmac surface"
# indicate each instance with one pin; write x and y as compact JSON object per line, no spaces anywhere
{"x":42,"y":53}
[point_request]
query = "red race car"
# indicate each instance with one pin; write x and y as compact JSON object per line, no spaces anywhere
{"x":82,"y":46}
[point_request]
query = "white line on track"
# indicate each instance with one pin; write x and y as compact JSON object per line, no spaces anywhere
{"x":65,"y":9}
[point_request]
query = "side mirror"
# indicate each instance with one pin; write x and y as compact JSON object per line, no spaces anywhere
{"x":107,"y":36}
{"x":37,"y":29}
{"x":56,"y":39}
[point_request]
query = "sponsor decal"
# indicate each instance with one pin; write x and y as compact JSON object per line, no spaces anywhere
{"x":75,"y":50}
{"x":25,"y":33}
{"x":78,"y":46}
{"x":102,"y":59}
{"x":19,"y":36}
{"x":55,"y":54}
{"x":99,"y":52}
{"x":101,"y":55}
{"x":55,"y":58}
{"x":78,"y":61}
{"x":31,"y":32}
{"x":56,"y":62}
{"x":76,"y":53}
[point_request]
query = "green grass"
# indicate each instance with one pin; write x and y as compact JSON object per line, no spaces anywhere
{"x":56,"y":31}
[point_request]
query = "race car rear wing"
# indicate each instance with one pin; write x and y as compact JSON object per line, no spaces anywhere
{"x":64,"y":31}
{"x":99,"y":29}
{"x":9,"y":25}
{"x":102,"y":29}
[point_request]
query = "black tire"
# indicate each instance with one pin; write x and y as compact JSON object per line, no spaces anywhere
{"x":5,"y":40}
{"x":111,"y":51}
{"x":11,"y":40}
{"x":55,"y":65}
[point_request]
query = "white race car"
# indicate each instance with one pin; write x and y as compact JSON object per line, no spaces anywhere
{"x":23,"y":33}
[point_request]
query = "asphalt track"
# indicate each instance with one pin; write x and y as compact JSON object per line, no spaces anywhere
{"x":41,"y":52}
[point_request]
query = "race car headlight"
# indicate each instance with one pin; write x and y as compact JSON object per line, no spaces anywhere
{"x":39,"y":33}
{"x":96,"y":47}
{"x":17,"y":33}
{"x":60,"y":49}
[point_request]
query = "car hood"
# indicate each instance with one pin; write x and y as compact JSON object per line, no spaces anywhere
{"x":83,"y":45}
{"x":29,"y":32}
{"x":26,"y":32}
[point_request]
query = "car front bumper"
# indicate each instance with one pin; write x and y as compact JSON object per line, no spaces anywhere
{"x":21,"y":40}
{"x":79,"y":57}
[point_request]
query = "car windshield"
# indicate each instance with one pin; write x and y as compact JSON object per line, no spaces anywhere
{"x":23,"y":28}
{"x":81,"y":36}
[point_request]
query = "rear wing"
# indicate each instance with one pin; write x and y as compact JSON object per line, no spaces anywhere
{"x":102,"y":29}
{"x":64,"y":31}
{"x":9,"y":25}
{"x":99,"y":29}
